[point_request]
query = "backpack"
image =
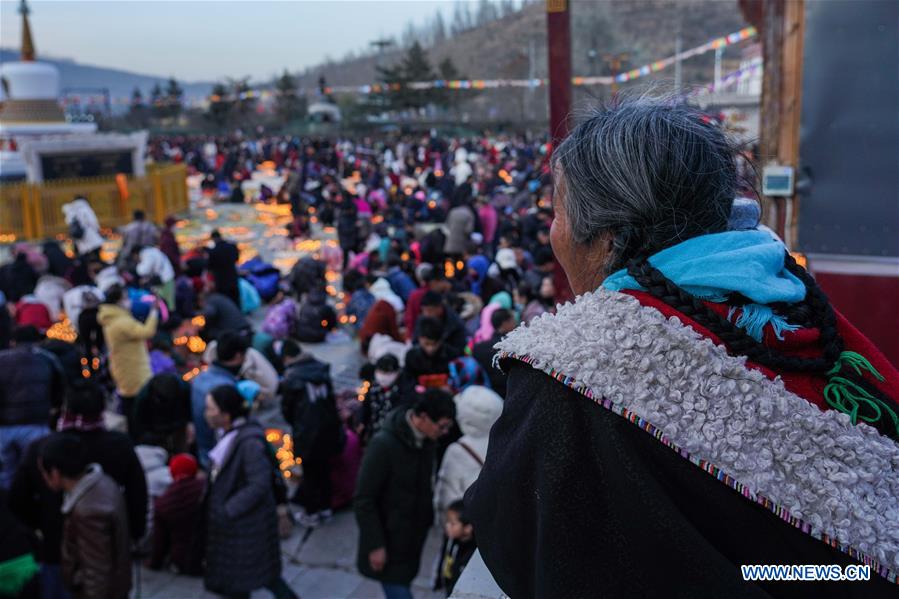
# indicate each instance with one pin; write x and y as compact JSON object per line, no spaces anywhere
{"x":264,"y":277}
{"x":280,"y":319}
{"x":249,"y":297}
{"x":76,"y":231}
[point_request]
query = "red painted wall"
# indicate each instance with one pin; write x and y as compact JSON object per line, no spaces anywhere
{"x":870,"y":303}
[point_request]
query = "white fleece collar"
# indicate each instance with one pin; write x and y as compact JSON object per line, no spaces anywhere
{"x":814,"y":469}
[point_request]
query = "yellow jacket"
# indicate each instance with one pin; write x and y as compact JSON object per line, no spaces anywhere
{"x":126,"y":339}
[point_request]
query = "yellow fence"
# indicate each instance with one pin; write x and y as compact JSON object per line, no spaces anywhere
{"x":34,"y":210}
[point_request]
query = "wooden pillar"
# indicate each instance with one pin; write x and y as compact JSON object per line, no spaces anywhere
{"x":558,"y":30}
{"x":782,"y":33}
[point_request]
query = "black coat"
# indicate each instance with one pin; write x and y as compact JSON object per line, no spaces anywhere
{"x":222,"y":314}
{"x":308,"y":405}
{"x":419,"y":363}
{"x":394,"y":500}
{"x":32,"y":383}
{"x":17,"y":279}
{"x":40,"y":508}
{"x":162,"y":408}
{"x":222,"y":264}
{"x":483,"y":352}
{"x":347,"y":227}
{"x":313,"y":312}
{"x":575,"y":501}
{"x":243,"y":549}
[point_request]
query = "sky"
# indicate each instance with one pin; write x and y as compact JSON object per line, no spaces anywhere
{"x":206,"y":40}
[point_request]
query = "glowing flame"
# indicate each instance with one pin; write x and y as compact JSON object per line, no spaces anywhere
{"x":63,"y":331}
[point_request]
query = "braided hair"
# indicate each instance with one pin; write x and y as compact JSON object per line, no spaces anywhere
{"x":815,"y":310}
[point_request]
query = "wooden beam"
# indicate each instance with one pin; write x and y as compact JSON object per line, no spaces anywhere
{"x":782,"y":34}
{"x":791,"y":103}
{"x":558,"y":29}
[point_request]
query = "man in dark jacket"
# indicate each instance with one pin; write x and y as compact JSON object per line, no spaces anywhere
{"x":308,"y":405}
{"x":222,"y":315}
{"x":503,"y":321}
{"x":222,"y":264}
{"x":96,"y":551}
{"x":31,"y":390}
{"x":40,"y":508}
{"x":394,"y":496}
{"x":454,"y":336}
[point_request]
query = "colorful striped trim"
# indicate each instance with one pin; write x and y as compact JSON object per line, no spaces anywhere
{"x":778,"y":510}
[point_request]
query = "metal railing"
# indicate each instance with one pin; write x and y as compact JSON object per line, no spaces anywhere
{"x":34,"y":210}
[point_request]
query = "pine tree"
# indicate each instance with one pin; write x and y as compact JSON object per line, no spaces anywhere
{"x":438,"y":29}
{"x":446,"y":97}
{"x":220,"y":105}
{"x":245,"y":102}
{"x":137,"y":99}
{"x":417,"y":67}
{"x":486,"y":13}
{"x":414,"y":66}
{"x":157,"y":105}
{"x":458,"y":25}
{"x":289,"y":106}
{"x":173,"y":98}
{"x":138,"y":115}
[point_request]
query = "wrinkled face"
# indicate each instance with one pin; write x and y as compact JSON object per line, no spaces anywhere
{"x":584,"y":264}
{"x":429,"y":346}
{"x":455,"y":529}
{"x":560,"y":236}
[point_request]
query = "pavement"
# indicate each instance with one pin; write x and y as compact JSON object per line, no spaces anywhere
{"x":318,"y":563}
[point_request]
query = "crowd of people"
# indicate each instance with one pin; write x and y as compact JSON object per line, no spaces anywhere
{"x":454,"y":267}
{"x":118,"y":445}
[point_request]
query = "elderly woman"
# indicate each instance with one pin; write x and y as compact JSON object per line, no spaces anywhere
{"x":699,"y":407}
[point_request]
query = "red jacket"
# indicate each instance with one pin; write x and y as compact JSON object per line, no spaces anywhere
{"x":413,"y":309}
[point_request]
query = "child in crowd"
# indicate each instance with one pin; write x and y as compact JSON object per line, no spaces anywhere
{"x":460,"y":548}
{"x":177,"y":514}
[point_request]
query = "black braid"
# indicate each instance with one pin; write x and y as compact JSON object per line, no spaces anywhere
{"x":736,"y":339}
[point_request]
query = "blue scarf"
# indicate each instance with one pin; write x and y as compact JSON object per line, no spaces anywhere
{"x":711,"y":267}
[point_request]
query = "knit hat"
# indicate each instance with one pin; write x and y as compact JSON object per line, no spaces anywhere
{"x":505,"y":258}
{"x":183,"y":465}
{"x":249,"y":390}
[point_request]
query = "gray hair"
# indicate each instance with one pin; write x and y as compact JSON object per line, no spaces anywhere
{"x":650,"y":171}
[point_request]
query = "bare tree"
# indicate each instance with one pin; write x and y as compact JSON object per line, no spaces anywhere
{"x":438,"y":28}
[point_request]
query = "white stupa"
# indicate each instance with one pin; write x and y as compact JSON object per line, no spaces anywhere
{"x":29,"y":105}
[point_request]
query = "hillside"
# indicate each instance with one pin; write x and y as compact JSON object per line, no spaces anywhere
{"x":119,"y":82}
{"x":515,"y":47}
